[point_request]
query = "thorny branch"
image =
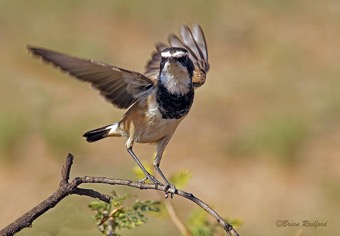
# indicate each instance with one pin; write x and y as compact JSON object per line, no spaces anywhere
{"x":68,"y":188}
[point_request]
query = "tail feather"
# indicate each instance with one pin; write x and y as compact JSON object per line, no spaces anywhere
{"x":97,"y":134}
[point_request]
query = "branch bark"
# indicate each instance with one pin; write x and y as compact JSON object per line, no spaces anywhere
{"x":67,"y":188}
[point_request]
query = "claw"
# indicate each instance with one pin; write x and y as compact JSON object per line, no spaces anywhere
{"x":169,"y":188}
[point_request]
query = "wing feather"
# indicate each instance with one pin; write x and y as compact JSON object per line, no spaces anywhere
{"x":120,"y":87}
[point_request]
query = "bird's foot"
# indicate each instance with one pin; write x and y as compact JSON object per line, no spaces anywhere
{"x":170,"y":189}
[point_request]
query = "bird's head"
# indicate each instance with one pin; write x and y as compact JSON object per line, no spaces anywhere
{"x":176,"y":70}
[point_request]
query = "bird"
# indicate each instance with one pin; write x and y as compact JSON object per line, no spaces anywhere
{"x":156,"y":100}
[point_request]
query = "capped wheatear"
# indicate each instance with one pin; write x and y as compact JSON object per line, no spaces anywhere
{"x":157,"y":101}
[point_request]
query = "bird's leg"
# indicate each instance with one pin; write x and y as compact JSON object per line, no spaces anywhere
{"x":169,"y":188}
{"x":147,"y":174}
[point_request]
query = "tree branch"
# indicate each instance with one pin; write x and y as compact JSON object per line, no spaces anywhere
{"x":68,"y":188}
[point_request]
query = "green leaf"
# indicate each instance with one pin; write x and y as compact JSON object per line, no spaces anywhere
{"x":149,"y":205}
{"x":115,"y":216}
{"x":235,"y":222}
{"x":199,"y":224}
{"x":139,"y":173}
{"x":96,"y":205}
{"x":181,"y":178}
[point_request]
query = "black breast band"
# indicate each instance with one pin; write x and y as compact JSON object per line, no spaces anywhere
{"x":173,"y":106}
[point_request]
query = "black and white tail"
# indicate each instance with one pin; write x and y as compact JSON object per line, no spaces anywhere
{"x":103,"y":132}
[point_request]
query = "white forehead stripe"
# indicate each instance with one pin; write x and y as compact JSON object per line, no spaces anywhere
{"x":176,"y":54}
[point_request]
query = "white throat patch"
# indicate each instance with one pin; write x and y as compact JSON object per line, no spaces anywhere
{"x":175,"y":78}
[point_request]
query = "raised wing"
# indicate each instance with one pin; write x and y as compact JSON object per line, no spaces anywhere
{"x":120,"y":87}
{"x":192,"y":40}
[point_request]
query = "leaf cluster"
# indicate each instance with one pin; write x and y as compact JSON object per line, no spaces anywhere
{"x":110,"y":218}
{"x":199,"y":224}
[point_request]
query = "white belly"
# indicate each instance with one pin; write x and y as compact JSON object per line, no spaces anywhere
{"x":156,"y":127}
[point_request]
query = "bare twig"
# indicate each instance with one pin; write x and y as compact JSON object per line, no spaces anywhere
{"x":68,"y":188}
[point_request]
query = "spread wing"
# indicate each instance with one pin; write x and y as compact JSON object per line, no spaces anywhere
{"x":120,"y":87}
{"x":192,"y":40}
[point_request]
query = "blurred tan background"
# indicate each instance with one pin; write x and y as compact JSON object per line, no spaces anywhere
{"x":262,"y":139}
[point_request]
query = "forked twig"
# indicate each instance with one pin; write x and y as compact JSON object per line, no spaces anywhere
{"x":68,"y":188}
